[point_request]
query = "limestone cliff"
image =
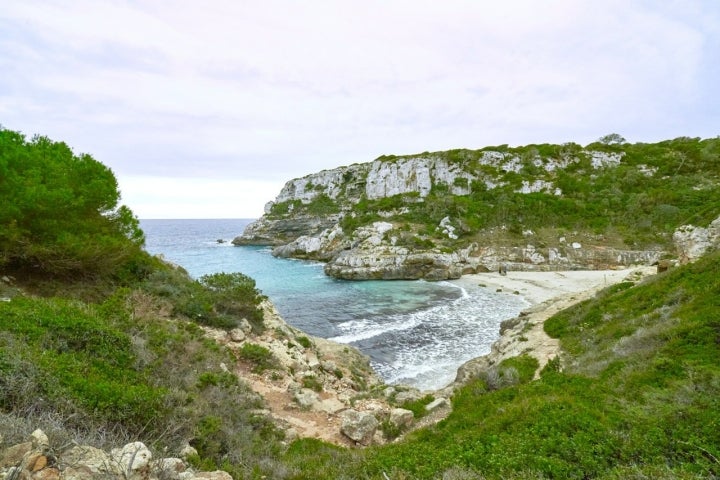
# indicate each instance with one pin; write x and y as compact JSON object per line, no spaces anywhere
{"x":439,"y":215}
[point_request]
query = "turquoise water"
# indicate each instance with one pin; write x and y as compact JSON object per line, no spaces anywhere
{"x":414,"y":332}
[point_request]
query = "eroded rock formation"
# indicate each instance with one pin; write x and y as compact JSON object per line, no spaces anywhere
{"x":317,"y":217}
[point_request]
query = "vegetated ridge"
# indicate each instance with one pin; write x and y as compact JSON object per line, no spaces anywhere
{"x":439,"y":215}
{"x":101,"y":351}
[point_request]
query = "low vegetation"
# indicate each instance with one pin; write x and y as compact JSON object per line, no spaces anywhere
{"x":635,"y":396}
{"x":102,"y":344}
{"x":637,"y":204}
{"x":106,"y":346}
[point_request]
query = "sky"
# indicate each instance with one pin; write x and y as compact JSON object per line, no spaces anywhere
{"x":206,"y":109}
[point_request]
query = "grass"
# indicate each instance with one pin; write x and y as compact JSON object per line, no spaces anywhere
{"x":635,"y":395}
{"x":636,"y":392}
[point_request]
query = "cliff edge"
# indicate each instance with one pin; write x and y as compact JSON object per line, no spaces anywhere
{"x":541,"y":207}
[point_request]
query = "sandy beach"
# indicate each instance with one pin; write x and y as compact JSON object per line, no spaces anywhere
{"x":539,"y":287}
{"x":547,"y":293}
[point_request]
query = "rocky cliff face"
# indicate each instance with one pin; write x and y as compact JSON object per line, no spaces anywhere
{"x":321,"y":216}
{"x":693,"y":242}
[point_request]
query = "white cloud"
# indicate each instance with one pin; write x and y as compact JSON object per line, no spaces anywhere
{"x":154,"y":197}
{"x":267,"y":91}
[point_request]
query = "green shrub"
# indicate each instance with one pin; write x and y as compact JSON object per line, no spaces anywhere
{"x":60,"y":215}
{"x":418,"y":406}
{"x":261,"y":358}
{"x":390,"y":430}
{"x":524,"y":365}
{"x":219,"y":300}
{"x":312,"y":382}
{"x":224,"y":379}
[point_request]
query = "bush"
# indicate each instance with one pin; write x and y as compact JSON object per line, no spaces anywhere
{"x":60,"y":214}
{"x":219,"y":300}
{"x":261,"y":358}
{"x":312,"y":382}
{"x":304,"y":341}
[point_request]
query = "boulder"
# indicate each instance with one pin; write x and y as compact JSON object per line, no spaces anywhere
{"x":86,"y":462}
{"x":133,"y":459}
{"x":237,"y":335}
{"x":408,"y":396}
{"x":358,"y":426}
{"x":330,"y":406}
{"x":50,"y":473}
{"x":39,"y":440}
{"x":14,"y":455}
{"x":216,"y":475}
{"x":401,"y":417}
{"x":437,"y":403}
{"x":187,"y":451}
{"x":306,"y":398}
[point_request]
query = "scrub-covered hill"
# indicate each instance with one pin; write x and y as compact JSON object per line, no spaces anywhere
{"x":439,"y":215}
{"x":107,"y":346}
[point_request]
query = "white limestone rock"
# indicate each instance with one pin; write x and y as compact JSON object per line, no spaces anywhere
{"x":306,"y":398}
{"x":80,"y":461}
{"x":187,"y":451}
{"x":132,"y":459}
{"x":358,"y":426}
{"x":401,"y":417}
{"x":693,"y":242}
{"x":39,"y":440}
{"x":605,"y":159}
{"x":437,"y":403}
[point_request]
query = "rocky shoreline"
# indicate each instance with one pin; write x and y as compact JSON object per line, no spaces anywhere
{"x":326,"y":390}
{"x":373,"y":252}
{"x":346,"y":403}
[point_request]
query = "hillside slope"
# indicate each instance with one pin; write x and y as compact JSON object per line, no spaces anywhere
{"x":438,"y":215}
{"x":634,"y":394}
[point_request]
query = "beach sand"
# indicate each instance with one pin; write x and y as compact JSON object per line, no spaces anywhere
{"x":539,"y":287}
{"x":547,"y":293}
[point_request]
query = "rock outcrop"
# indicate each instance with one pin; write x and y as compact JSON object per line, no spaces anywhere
{"x":359,"y":426}
{"x":36,"y":459}
{"x":315,"y":386}
{"x":387,"y":262}
{"x":693,"y":242}
{"x":318,"y":217}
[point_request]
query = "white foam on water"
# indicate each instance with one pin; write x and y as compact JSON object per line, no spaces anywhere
{"x":445,"y":337}
{"x":365,"y":329}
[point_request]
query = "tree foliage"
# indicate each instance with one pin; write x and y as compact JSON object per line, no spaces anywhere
{"x":60,"y":213}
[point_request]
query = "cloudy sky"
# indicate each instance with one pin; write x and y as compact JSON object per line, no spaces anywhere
{"x":205,"y":109}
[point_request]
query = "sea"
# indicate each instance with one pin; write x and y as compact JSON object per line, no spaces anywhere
{"x":415,"y":332}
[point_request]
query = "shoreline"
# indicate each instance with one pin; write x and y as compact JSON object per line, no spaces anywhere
{"x":547,"y":293}
{"x":538,"y":287}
